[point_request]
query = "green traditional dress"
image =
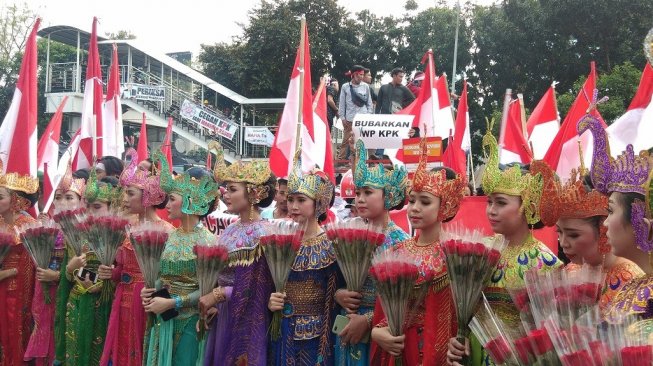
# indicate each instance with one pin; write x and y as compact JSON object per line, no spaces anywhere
{"x":174,"y":342}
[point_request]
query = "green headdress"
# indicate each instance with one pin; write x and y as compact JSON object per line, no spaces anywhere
{"x":99,"y":191}
{"x":392,"y":182}
{"x":197,"y":194}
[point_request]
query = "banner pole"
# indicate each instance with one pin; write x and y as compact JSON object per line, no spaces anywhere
{"x":300,"y":107}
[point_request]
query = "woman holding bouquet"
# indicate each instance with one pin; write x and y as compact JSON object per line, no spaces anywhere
{"x":514,"y":196}
{"x":377,"y":192}
{"x":627,"y":182}
{"x":17,"y":194}
{"x":578,"y":212}
{"x":308,"y":304}
{"x":87,"y":312}
{"x":434,"y":198}
{"x":141,"y":196}
{"x":191,"y":195}
{"x":240,"y":330}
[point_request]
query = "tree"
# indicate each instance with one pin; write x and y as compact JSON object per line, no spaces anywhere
{"x":120,"y":35}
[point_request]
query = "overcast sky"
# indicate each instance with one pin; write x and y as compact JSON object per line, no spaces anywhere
{"x":177,"y":25}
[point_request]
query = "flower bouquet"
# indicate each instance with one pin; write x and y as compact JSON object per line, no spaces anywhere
{"x":209,"y":262}
{"x":354,"y":242}
{"x":395,"y":274}
{"x":490,"y":332}
{"x":280,"y":244}
{"x":68,"y":217}
{"x":105,"y":234}
{"x":39,"y":238}
{"x":7,"y":241}
{"x":470,"y":262}
{"x":148,"y":240}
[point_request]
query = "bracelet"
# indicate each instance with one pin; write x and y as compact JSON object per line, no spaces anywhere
{"x":178,"y":301}
{"x":368,"y":317}
{"x":218,"y":295}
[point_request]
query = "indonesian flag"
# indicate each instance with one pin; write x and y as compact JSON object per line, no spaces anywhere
{"x":322,"y":133}
{"x":563,"y":155}
{"x":454,"y":156}
{"x":142,"y":141}
{"x":18,"y":142}
{"x":636,"y":125}
{"x":48,"y":148}
{"x":166,"y":148}
{"x":113,"y":142}
{"x":515,"y":148}
{"x":543,"y":124}
{"x":91,"y":127}
{"x":314,"y":146}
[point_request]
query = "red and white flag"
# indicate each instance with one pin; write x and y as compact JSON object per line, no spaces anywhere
{"x":636,"y":125}
{"x":91,"y":127}
{"x":515,"y":148}
{"x":113,"y":142}
{"x":142,"y":141}
{"x":48,"y":148}
{"x":284,"y":146}
{"x":563,"y":155}
{"x":543,"y":124}
{"x":322,"y":133}
{"x":454,"y":156}
{"x":166,"y":148}
{"x":18,"y":141}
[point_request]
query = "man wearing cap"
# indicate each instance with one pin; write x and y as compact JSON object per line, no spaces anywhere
{"x":354,"y":98}
{"x":394,"y":96}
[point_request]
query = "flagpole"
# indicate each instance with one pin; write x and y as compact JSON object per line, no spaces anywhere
{"x":432,"y":81}
{"x":455,"y":48}
{"x":94,"y":136}
{"x":300,"y":114}
{"x":522,"y":110}
{"x":504,"y":116}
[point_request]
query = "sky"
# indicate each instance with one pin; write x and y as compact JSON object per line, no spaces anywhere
{"x":176,"y":25}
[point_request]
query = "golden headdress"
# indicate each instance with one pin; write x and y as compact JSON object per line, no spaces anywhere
{"x":70,"y":183}
{"x":18,"y":182}
{"x":511,"y":181}
{"x":450,"y":191}
{"x":314,"y":184}
{"x":392,"y":181}
{"x":254,"y":173}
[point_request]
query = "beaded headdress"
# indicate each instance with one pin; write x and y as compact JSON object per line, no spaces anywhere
{"x":100,"y":192}
{"x":197,"y":194}
{"x":628,"y":173}
{"x":254,"y":173}
{"x":314,"y":184}
{"x":149,"y":183}
{"x":70,"y":183}
{"x":511,"y":181}
{"x":18,"y":182}
{"x":450,"y":191}
{"x":393,"y":182}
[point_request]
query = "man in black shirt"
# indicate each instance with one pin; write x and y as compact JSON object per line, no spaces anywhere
{"x":394,"y":96}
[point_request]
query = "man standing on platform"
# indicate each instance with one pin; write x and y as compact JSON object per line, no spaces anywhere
{"x":394,"y":96}
{"x":355,"y":98}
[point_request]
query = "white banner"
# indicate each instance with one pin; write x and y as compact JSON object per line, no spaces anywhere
{"x":382,"y":131}
{"x":143,"y":92}
{"x":259,"y":136}
{"x":207,"y":119}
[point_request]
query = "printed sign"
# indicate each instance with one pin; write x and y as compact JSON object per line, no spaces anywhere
{"x":382,"y":131}
{"x":144,"y":92}
{"x":259,"y":136}
{"x":207,"y":119}
{"x":412,"y":151}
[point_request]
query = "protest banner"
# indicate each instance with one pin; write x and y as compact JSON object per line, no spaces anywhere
{"x":205,"y":118}
{"x":382,"y":131}
{"x":259,"y":136}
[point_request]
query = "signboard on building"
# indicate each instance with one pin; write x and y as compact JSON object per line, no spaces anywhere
{"x":206,"y":118}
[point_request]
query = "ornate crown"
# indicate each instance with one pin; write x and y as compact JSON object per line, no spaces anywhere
{"x":148,"y":183}
{"x":18,"y":182}
{"x":510,"y":181}
{"x":393,"y":182}
{"x":314,"y":184}
{"x":197,"y":194}
{"x":103,"y":193}
{"x":450,"y":191}
{"x":69,"y":183}
{"x":256,"y":171}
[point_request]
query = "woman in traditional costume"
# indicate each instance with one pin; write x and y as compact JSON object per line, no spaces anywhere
{"x":378,"y":190}
{"x":514,"y":196}
{"x":308,"y":306}
{"x":191,"y":195}
{"x":627,"y":182}
{"x":434,"y":198}
{"x":89,"y":303}
{"x":141,"y":196}
{"x":239,"y":332}
{"x":578,"y":212}
{"x":17,"y":194}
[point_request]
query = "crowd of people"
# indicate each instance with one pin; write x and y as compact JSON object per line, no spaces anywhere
{"x":98,"y":314}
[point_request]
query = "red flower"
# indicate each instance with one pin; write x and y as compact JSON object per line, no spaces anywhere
{"x":541,"y":341}
{"x":493,"y":257}
{"x":499,"y":350}
{"x":524,"y":349}
{"x":479,"y":249}
{"x":464,"y":249}
{"x":580,"y":358}
{"x":331,"y":233}
{"x":521,"y":299}
{"x":637,"y":355}
{"x":601,"y":353}
{"x":449,"y":247}
{"x":587,"y":292}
